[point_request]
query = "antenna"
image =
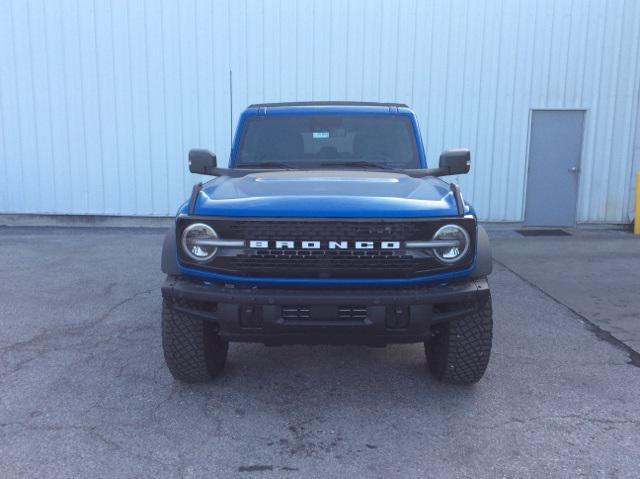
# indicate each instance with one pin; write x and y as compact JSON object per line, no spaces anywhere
{"x":230,"y":108}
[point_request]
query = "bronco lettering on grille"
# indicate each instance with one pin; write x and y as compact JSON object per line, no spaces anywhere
{"x":287,"y":244}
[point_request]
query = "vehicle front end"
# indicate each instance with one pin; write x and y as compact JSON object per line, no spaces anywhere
{"x":327,"y":255}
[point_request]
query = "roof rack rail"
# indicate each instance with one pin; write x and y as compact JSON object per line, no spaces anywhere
{"x":326,"y":103}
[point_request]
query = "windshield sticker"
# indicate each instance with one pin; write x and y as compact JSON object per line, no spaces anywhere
{"x":320,"y":134}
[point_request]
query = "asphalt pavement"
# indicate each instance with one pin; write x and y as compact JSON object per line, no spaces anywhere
{"x":84,"y":391}
{"x":595,"y":272}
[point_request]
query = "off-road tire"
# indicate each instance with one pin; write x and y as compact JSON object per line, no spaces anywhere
{"x":193,"y":351}
{"x":459,"y":350}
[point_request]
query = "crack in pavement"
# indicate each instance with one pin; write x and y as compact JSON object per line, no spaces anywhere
{"x":634,"y":356}
{"x":565,"y":417}
{"x":72,"y":330}
{"x":92,"y":431}
{"x":570,"y":363}
{"x":50,"y":334}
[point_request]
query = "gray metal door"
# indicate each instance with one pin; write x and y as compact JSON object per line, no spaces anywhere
{"x":555,"y":146}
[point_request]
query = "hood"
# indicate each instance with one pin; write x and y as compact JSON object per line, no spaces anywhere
{"x":326,"y":193}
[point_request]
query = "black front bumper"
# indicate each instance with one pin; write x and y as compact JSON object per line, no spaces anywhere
{"x":292,"y":316}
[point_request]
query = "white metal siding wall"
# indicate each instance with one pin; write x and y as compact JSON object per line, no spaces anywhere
{"x":101,"y":100}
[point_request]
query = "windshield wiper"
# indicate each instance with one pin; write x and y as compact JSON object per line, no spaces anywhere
{"x":265,"y":164}
{"x":356,"y":164}
{"x":280,"y":165}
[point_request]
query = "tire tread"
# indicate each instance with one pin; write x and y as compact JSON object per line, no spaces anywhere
{"x":194,"y":353}
{"x":459,"y":351}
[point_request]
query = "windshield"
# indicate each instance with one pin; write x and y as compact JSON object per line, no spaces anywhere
{"x":325,"y":141}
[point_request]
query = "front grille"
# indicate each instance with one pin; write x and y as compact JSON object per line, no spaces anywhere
{"x":322,"y":263}
{"x":320,"y":230}
{"x":328,"y":263}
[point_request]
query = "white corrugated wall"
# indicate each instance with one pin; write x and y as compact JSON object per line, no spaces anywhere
{"x":101,"y":100}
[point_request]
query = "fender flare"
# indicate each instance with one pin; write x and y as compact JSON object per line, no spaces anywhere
{"x":484,"y":258}
{"x":169,"y":263}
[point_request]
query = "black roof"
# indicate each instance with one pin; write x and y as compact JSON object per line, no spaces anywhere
{"x":327,"y":103}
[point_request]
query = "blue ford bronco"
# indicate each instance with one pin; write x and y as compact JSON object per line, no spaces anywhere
{"x":327,"y":227}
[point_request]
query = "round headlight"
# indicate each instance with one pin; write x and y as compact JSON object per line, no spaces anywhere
{"x":196,"y":242}
{"x":459,"y":239}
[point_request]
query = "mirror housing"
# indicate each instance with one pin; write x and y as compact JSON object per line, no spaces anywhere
{"x":202,"y":162}
{"x":455,"y":162}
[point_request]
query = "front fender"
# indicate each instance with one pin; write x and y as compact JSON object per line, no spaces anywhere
{"x":169,"y":263}
{"x":484,"y":257}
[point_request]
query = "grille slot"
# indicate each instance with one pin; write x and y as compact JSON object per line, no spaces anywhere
{"x":352,"y":313}
{"x":295,"y":313}
{"x":320,"y":313}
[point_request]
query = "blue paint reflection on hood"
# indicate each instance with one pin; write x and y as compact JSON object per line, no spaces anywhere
{"x":326,"y":193}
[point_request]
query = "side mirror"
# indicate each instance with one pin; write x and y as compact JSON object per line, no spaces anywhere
{"x":455,"y":162}
{"x":202,"y":162}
